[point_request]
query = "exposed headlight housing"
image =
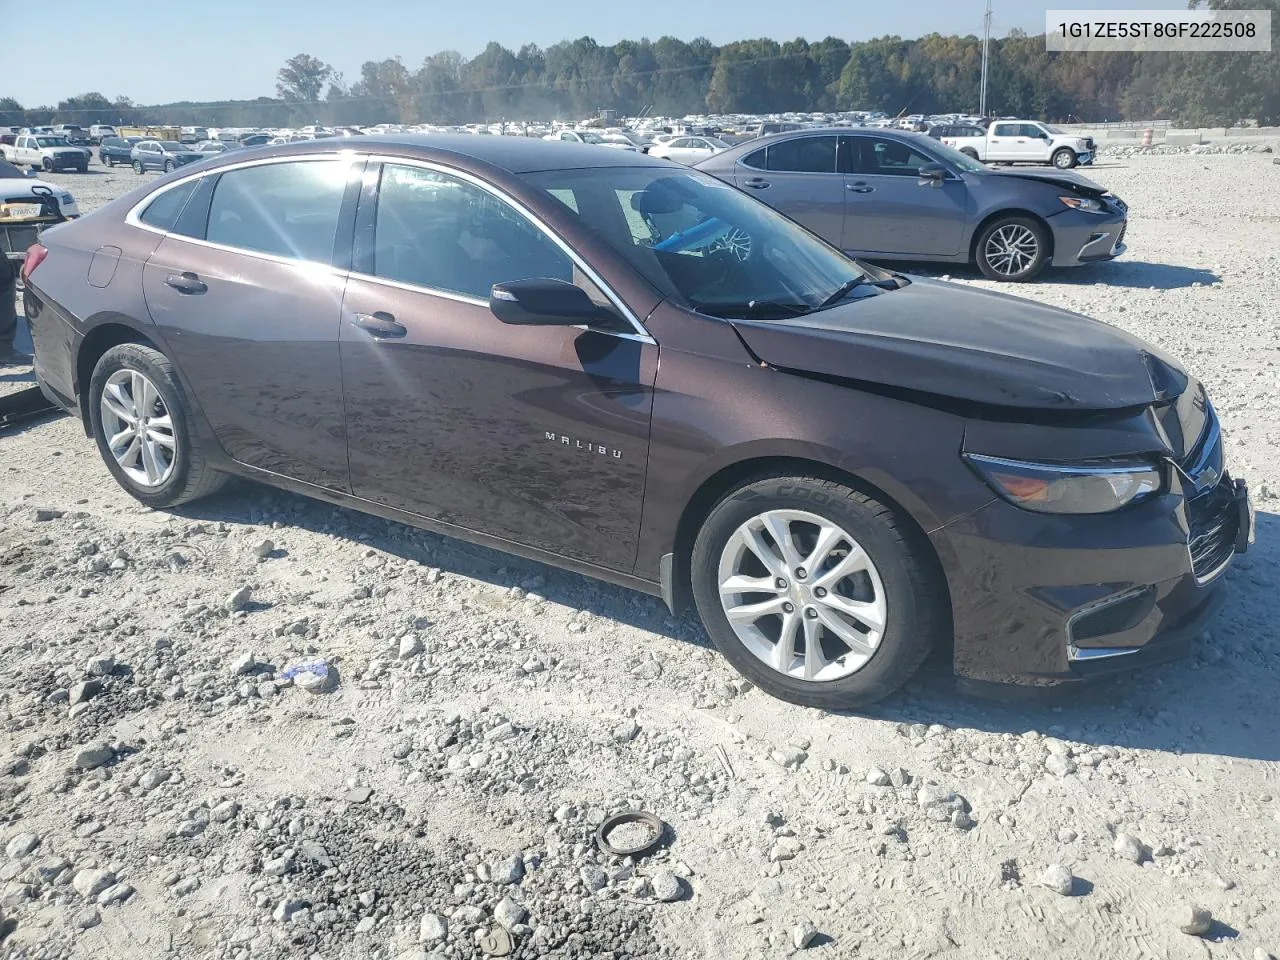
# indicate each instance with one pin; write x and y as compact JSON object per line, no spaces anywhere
{"x":1085,"y":204}
{"x":1076,"y":488}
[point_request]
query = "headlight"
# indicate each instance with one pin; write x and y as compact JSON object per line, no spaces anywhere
{"x":1084,"y":204}
{"x":1096,"y":487}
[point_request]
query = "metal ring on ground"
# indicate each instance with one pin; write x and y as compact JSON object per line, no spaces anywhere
{"x":656,"y":826}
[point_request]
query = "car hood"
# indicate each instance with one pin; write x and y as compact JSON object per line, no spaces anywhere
{"x":951,"y":341}
{"x":1067,"y":179}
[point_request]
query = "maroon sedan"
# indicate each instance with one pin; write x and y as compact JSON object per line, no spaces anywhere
{"x":627,"y":368}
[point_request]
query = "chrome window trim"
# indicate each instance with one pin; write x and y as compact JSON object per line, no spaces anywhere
{"x":639,"y":334}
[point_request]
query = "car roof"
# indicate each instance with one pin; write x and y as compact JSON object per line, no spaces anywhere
{"x":751,"y":146}
{"x":513,"y":154}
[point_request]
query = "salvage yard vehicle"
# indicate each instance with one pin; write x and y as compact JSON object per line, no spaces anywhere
{"x":97,"y":131}
{"x":166,"y":155}
{"x":46,"y":152}
{"x":840,"y":467}
{"x":1024,"y":141}
{"x":115,"y":150}
{"x":892,"y":195}
{"x":689,"y":149}
{"x":17,"y":188}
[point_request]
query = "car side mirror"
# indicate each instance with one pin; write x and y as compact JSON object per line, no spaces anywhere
{"x":931,"y":175}
{"x":547,"y":303}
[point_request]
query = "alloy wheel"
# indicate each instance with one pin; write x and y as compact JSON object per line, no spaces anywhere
{"x":138,"y":428}
{"x":1011,"y":249}
{"x":802,"y":595}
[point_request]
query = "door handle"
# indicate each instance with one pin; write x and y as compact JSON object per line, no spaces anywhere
{"x":859,"y":186}
{"x":755,"y":183}
{"x":380,"y":325}
{"x":187,"y":283}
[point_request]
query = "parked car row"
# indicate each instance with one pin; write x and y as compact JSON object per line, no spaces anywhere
{"x":45,"y":151}
{"x":841,"y":468}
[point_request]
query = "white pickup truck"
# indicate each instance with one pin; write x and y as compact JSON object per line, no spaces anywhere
{"x":47,"y":152}
{"x":1026,"y":141}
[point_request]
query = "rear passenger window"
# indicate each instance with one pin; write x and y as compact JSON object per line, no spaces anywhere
{"x":284,"y":209}
{"x":163,"y":212}
{"x":754,"y":160}
{"x":804,"y":155}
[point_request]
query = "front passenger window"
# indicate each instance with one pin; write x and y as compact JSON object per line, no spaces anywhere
{"x":438,"y":231}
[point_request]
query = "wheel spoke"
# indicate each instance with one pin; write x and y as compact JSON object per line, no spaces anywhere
{"x":784,"y":651}
{"x":751,"y":612}
{"x":780,"y":530}
{"x":150,"y":463}
{"x":851,"y":563}
{"x":740,"y":583}
{"x":829,"y":537}
{"x":158,"y":436}
{"x":851,"y":638}
{"x":116,"y":443}
{"x":814,"y":660}
{"x":869,"y":614}
{"x":129,"y":458}
{"x":754,"y":542}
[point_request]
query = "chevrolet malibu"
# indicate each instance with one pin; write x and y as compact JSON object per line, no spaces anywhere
{"x":632,"y":370}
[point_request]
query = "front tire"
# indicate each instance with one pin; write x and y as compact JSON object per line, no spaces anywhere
{"x":108,"y":162}
{"x":168,"y":166}
{"x":137,"y":167}
{"x":819,"y":594}
{"x":1064,"y":158}
{"x":48,"y":164}
{"x":1012,"y":249}
{"x":142,"y":423}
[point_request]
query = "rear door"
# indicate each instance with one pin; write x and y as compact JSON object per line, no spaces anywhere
{"x":247,"y":292}
{"x":800,"y":177}
{"x":538,"y":435}
{"x":890,"y":212}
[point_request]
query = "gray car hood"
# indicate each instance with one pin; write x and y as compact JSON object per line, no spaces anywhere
{"x":1060,"y":178}
{"x":987,"y":348}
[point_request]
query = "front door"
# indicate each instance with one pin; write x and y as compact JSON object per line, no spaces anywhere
{"x":245,"y":296}
{"x":890,"y":212}
{"x":535,"y":434}
{"x":800,"y":178}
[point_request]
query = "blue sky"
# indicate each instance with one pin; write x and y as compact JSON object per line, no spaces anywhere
{"x":163,"y":50}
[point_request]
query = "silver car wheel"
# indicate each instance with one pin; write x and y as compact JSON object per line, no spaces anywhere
{"x":138,"y":428}
{"x":802,"y":595}
{"x":1011,"y":249}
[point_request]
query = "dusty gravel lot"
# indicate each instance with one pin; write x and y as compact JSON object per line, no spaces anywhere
{"x":171,"y":788}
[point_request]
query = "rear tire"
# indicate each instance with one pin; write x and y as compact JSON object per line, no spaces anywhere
{"x":897,"y":580}
{"x":186,"y":475}
{"x":1012,"y":249}
{"x":108,"y":162}
{"x":969,"y":152}
{"x":1064,"y":158}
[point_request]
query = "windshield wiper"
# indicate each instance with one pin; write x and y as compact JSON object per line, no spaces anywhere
{"x":843,"y":291}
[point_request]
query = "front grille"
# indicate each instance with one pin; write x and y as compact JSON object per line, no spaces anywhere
{"x":1212,"y":514}
{"x":1214,"y":520}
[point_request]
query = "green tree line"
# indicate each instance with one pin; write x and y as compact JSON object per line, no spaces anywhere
{"x":670,"y":77}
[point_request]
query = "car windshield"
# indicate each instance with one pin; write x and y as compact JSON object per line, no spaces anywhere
{"x":171,"y":145}
{"x":53,"y":141}
{"x":702,"y":242}
{"x":717,"y":143}
{"x":957,"y":159}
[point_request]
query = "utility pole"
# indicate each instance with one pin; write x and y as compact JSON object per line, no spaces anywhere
{"x":986,"y":46}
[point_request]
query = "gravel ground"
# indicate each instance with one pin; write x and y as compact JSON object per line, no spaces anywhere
{"x":177,"y":782}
